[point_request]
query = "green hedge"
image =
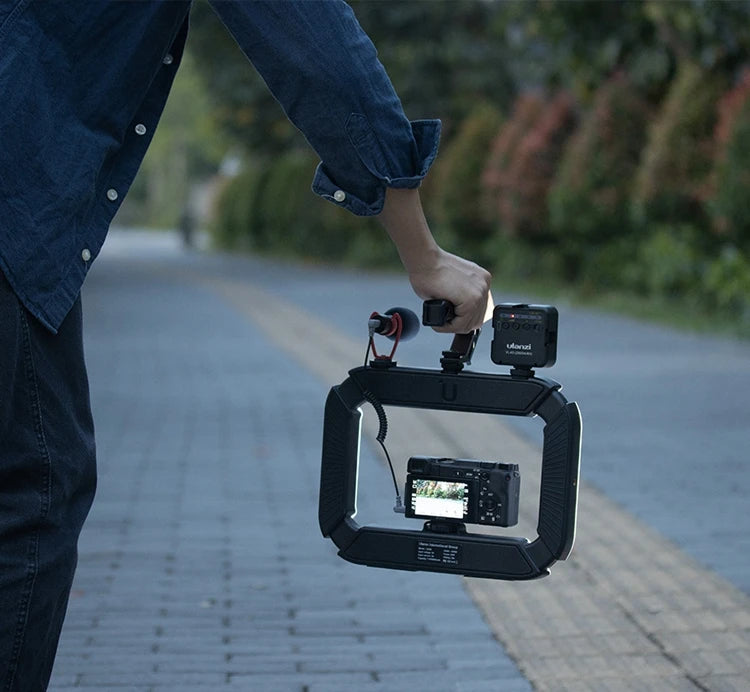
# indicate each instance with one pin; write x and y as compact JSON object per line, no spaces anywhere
{"x":289,"y":216}
{"x":673,"y":178}
{"x":727,"y":280}
{"x":456,"y":190}
{"x":590,"y":197}
{"x":271,"y":209}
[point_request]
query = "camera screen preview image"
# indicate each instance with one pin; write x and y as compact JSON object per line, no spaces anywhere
{"x":443,"y":499}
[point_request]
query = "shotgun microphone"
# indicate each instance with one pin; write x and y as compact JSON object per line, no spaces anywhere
{"x":387,"y":324}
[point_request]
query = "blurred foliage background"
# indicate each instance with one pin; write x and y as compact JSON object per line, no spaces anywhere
{"x":598,"y":146}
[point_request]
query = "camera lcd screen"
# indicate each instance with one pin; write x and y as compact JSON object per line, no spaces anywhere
{"x":433,"y":498}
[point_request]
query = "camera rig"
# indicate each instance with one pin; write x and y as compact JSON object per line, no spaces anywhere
{"x":441,"y":547}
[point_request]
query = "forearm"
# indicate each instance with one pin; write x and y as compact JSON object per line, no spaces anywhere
{"x":405,"y":222}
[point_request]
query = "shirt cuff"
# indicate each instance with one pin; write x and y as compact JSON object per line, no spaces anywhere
{"x":426,"y":138}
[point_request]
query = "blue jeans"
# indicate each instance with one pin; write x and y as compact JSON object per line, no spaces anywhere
{"x":47,"y":483}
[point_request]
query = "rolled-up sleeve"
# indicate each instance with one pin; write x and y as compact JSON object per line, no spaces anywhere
{"x":325,"y":73}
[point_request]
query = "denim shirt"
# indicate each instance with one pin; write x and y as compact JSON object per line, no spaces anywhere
{"x":83,"y":84}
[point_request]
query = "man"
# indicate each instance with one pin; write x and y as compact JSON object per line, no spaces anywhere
{"x":82,"y":86}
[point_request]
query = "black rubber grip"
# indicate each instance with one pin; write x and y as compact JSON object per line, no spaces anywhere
{"x":338,"y":477}
{"x":437,"y":312}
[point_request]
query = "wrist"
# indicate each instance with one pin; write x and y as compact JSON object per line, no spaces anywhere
{"x":421,"y":254}
{"x":405,"y":223}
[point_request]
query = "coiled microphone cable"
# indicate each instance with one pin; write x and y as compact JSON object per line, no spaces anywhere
{"x":380,"y":437}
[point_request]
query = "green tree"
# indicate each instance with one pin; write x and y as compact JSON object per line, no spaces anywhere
{"x":578,"y":45}
{"x":443,"y":57}
{"x":715,"y":35}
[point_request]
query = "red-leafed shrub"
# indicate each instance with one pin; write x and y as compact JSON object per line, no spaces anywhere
{"x":730,"y":198}
{"x":729,"y":110}
{"x":496,"y":179}
{"x":531,"y":168}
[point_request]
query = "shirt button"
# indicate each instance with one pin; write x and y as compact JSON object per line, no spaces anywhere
{"x":339,"y":195}
{"x":86,"y":254}
{"x":140,"y":129}
{"x":112,"y":194}
{"x":168,"y":59}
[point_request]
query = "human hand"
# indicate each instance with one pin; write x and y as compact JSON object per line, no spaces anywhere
{"x":460,"y":281}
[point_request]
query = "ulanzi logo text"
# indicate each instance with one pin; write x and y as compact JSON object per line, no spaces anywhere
{"x":518,"y":347}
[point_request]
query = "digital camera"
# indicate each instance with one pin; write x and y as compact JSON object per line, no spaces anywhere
{"x":462,"y":490}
